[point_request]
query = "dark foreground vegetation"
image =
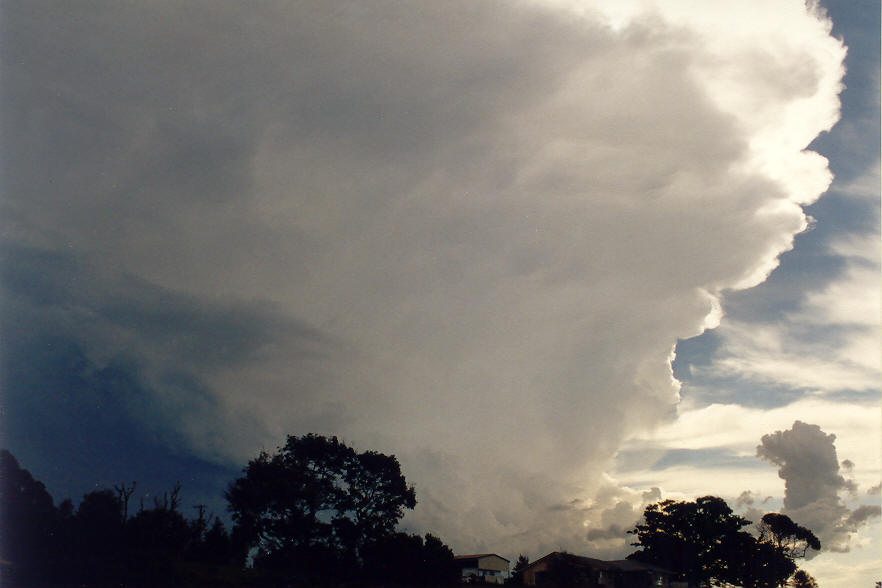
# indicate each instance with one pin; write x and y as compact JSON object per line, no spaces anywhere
{"x":705,"y":544}
{"x":317,"y":512}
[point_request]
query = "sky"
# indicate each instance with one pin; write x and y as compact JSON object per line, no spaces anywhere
{"x":564,"y":259}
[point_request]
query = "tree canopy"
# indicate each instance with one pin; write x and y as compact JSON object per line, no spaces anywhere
{"x":794,"y":540}
{"x":704,"y":541}
{"x":409,"y":560}
{"x":517,"y":572}
{"x":315,"y":513}
{"x":317,"y":503}
{"x":28,"y":517}
{"x":97,"y":543}
{"x":688,"y":537}
{"x":802,"y":579}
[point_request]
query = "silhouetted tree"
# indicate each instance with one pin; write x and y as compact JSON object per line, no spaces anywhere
{"x":315,"y":504}
{"x":702,"y":541}
{"x":29,"y":522}
{"x":216,"y":544}
{"x":65,"y":538}
{"x":802,"y":579}
{"x":123,"y":494}
{"x":100,"y":540}
{"x":101,"y":510}
{"x":96,"y":543}
{"x":692,"y":538}
{"x":517,"y":572}
{"x":208,"y":545}
{"x":400,"y":558}
{"x":438,"y":562}
{"x":794,"y":540}
{"x":789,"y":540}
{"x":376,"y":493}
{"x":753,"y":564}
{"x":392,"y":558}
{"x":157,"y":539}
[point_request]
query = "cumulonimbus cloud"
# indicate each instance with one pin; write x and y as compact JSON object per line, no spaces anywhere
{"x":502,"y":215}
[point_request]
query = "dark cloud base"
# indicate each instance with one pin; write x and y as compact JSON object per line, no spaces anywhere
{"x":81,"y":422}
{"x":72,"y":425}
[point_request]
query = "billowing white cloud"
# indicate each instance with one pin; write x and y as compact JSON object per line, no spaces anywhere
{"x":830,"y":343}
{"x":494,"y":219}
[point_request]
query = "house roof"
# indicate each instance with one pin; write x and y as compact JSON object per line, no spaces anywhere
{"x":624,"y":565}
{"x":573,"y":558}
{"x":477,"y":556}
{"x":632,"y":565}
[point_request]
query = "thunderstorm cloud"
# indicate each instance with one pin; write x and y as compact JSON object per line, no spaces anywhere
{"x":467,"y":233}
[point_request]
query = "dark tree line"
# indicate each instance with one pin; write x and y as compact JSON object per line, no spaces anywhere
{"x":705,"y":543}
{"x":99,"y":541}
{"x":316,"y":512}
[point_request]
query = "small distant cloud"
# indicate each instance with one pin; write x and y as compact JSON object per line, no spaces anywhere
{"x":745,"y":499}
{"x":806,"y":460}
{"x":611,"y":532}
{"x":651,"y":495}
